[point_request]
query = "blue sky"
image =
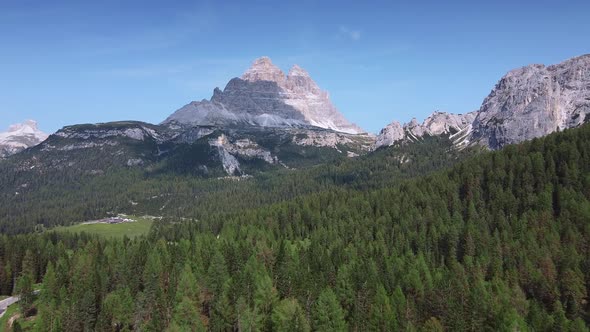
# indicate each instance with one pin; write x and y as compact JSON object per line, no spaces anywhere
{"x":67,"y":62}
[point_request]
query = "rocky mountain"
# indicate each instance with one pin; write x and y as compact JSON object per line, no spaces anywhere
{"x":209,"y":151}
{"x":264,"y":96}
{"x":19,"y":137}
{"x":528,"y":102}
{"x":267,"y":119}
{"x":455,"y":126}
{"x":263,"y":120}
{"x":534,"y":101}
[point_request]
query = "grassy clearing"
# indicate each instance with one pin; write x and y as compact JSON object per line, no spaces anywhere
{"x":140,"y":227}
{"x":11,"y":311}
{"x":27,"y":324}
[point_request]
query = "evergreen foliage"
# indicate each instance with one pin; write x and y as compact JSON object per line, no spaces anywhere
{"x":498,"y":242}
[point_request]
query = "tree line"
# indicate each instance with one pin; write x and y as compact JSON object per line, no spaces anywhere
{"x":498,"y":242}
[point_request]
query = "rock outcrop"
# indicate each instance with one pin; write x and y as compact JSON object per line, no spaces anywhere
{"x":19,"y":137}
{"x":455,"y":126}
{"x":88,"y":136}
{"x":528,"y":102}
{"x":393,"y":132}
{"x":265,"y":96}
{"x":534,"y":101}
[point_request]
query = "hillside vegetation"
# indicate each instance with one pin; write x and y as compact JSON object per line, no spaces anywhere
{"x":498,"y":242}
{"x":35,"y":199}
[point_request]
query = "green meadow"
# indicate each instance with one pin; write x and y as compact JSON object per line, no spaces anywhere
{"x":140,"y":226}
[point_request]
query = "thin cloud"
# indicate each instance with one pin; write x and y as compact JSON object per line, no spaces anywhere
{"x":169,"y":70}
{"x":349,"y":33}
{"x":141,"y":72}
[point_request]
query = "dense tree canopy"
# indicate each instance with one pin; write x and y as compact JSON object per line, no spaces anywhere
{"x":498,"y":242}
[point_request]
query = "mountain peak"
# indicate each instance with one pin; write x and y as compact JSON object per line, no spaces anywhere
{"x":262,"y":69}
{"x":436,"y":124}
{"x":19,"y":137}
{"x":27,"y":124}
{"x":263,"y":60}
{"x":298,"y":71}
{"x":265,"y":97}
{"x":534,"y":101}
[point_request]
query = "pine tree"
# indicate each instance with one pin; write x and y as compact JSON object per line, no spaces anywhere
{"x":382,"y":315}
{"x":222,"y":313}
{"x":217,"y":274}
{"x":248,"y":319}
{"x":327,"y":314}
{"x":288,"y":316}
{"x":117,"y":309}
{"x":187,"y":311}
{"x":24,"y":288}
{"x":265,"y":298}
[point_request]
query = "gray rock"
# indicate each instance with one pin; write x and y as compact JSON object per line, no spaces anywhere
{"x":534,"y":101}
{"x":437,"y":124}
{"x":265,"y":97}
{"x":392,"y":133}
{"x":528,"y":102}
{"x":335,"y":140}
{"x":19,"y":137}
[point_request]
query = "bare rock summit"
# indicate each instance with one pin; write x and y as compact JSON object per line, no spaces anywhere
{"x":528,"y":102}
{"x":534,"y":101}
{"x":19,"y":137}
{"x":265,"y":96}
{"x":455,"y":126}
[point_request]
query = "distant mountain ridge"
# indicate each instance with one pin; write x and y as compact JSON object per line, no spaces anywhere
{"x":205,"y":151}
{"x":19,"y":137}
{"x":264,"y":96}
{"x":456,"y":126}
{"x":526,"y":103}
{"x":270,"y":119}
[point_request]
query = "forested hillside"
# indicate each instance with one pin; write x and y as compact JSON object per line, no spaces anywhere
{"x":498,"y":242}
{"x":34,"y":200}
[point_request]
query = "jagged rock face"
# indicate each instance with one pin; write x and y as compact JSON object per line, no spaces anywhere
{"x":341,"y":142}
{"x":127,"y":143}
{"x":19,"y":137}
{"x":528,"y":102}
{"x":392,"y":133}
{"x":263,"y":69}
{"x":265,"y":96}
{"x":534,"y":101}
{"x":96,"y":135}
{"x":438,"y":123}
{"x":303,"y":94}
{"x":209,"y":151}
{"x":244,"y":148}
{"x":442,"y":123}
{"x":258,"y":101}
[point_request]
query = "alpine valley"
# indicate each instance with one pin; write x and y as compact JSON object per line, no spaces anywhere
{"x":269,"y":210}
{"x":268,"y":122}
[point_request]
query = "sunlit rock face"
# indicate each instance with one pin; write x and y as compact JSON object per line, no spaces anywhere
{"x":455,"y":126}
{"x":265,"y":96}
{"x":526,"y":103}
{"x":534,"y":101}
{"x":19,"y":137}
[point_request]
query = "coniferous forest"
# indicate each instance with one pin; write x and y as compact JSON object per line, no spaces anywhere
{"x":485,"y":241}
